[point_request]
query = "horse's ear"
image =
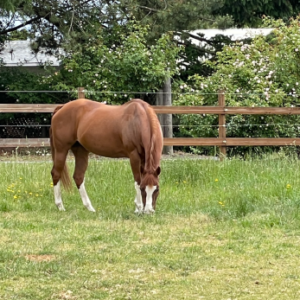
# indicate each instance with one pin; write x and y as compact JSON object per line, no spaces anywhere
{"x":158,"y":171}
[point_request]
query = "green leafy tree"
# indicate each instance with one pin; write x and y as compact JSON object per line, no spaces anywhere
{"x":57,"y":23}
{"x":131,"y":65}
{"x":181,"y":17}
{"x":177,"y":15}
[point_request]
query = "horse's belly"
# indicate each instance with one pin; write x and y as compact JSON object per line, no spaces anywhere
{"x":104,"y":147}
{"x":107,"y":135}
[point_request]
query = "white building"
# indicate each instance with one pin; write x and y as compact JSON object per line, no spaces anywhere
{"x":19,"y":53}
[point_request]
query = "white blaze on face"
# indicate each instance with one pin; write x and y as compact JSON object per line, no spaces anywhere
{"x":57,"y":196}
{"x":149,"y":193}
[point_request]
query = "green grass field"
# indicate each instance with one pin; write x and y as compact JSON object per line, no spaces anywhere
{"x":222,"y":230}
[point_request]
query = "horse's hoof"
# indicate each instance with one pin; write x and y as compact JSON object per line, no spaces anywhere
{"x":91,"y":208}
{"x":149,"y":211}
{"x":60,"y":207}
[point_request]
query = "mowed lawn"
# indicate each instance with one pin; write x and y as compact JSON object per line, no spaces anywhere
{"x":222,"y":230}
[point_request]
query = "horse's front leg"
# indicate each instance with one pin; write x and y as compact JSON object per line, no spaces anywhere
{"x":135,"y":162}
{"x":138,"y":199}
{"x":85,"y":198}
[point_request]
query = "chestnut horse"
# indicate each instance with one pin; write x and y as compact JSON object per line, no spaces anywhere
{"x":130,"y":130}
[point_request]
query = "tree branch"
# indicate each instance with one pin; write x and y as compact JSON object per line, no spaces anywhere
{"x":19,"y":26}
{"x":196,"y":37}
{"x":152,"y":9}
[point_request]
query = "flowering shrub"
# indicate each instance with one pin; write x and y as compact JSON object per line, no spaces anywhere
{"x":264,"y":72}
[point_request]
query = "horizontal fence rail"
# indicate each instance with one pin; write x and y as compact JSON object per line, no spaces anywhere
{"x":27,"y":108}
{"x":49,"y":108}
{"x":228,"y":110}
{"x":25,"y":143}
{"x":222,"y":141}
{"x":231,"y":142}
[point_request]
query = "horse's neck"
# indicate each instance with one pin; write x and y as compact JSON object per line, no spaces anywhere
{"x":151,"y":138}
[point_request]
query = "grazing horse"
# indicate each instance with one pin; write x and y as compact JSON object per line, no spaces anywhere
{"x":130,"y":130}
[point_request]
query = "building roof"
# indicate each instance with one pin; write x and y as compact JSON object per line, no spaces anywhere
{"x":233,"y":33}
{"x":16,"y":53}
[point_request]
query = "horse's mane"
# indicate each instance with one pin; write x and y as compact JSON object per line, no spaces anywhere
{"x":155,"y":141}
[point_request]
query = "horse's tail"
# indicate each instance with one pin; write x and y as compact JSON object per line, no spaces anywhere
{"x":65,"y":177}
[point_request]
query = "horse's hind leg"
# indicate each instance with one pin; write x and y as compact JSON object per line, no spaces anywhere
{"x":58,"y":167}
{"x":81,"y":163}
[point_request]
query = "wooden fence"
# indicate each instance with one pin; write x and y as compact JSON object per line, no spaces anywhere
{"x":222,"y":141}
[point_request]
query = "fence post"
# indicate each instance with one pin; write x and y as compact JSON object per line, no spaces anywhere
{"x":164,"y":97}
{"x":222,"y":124}
{"x":167,"y":123}
{"x":81,"y":93}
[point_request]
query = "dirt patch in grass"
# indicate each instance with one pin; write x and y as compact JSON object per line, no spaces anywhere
{"x":40,"y":258}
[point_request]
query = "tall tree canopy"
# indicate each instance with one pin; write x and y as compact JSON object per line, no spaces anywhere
{"x":53,"y":22}
{"x":250,"y":12}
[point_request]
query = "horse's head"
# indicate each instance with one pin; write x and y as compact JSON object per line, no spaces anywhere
{"x":149,"y":188}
